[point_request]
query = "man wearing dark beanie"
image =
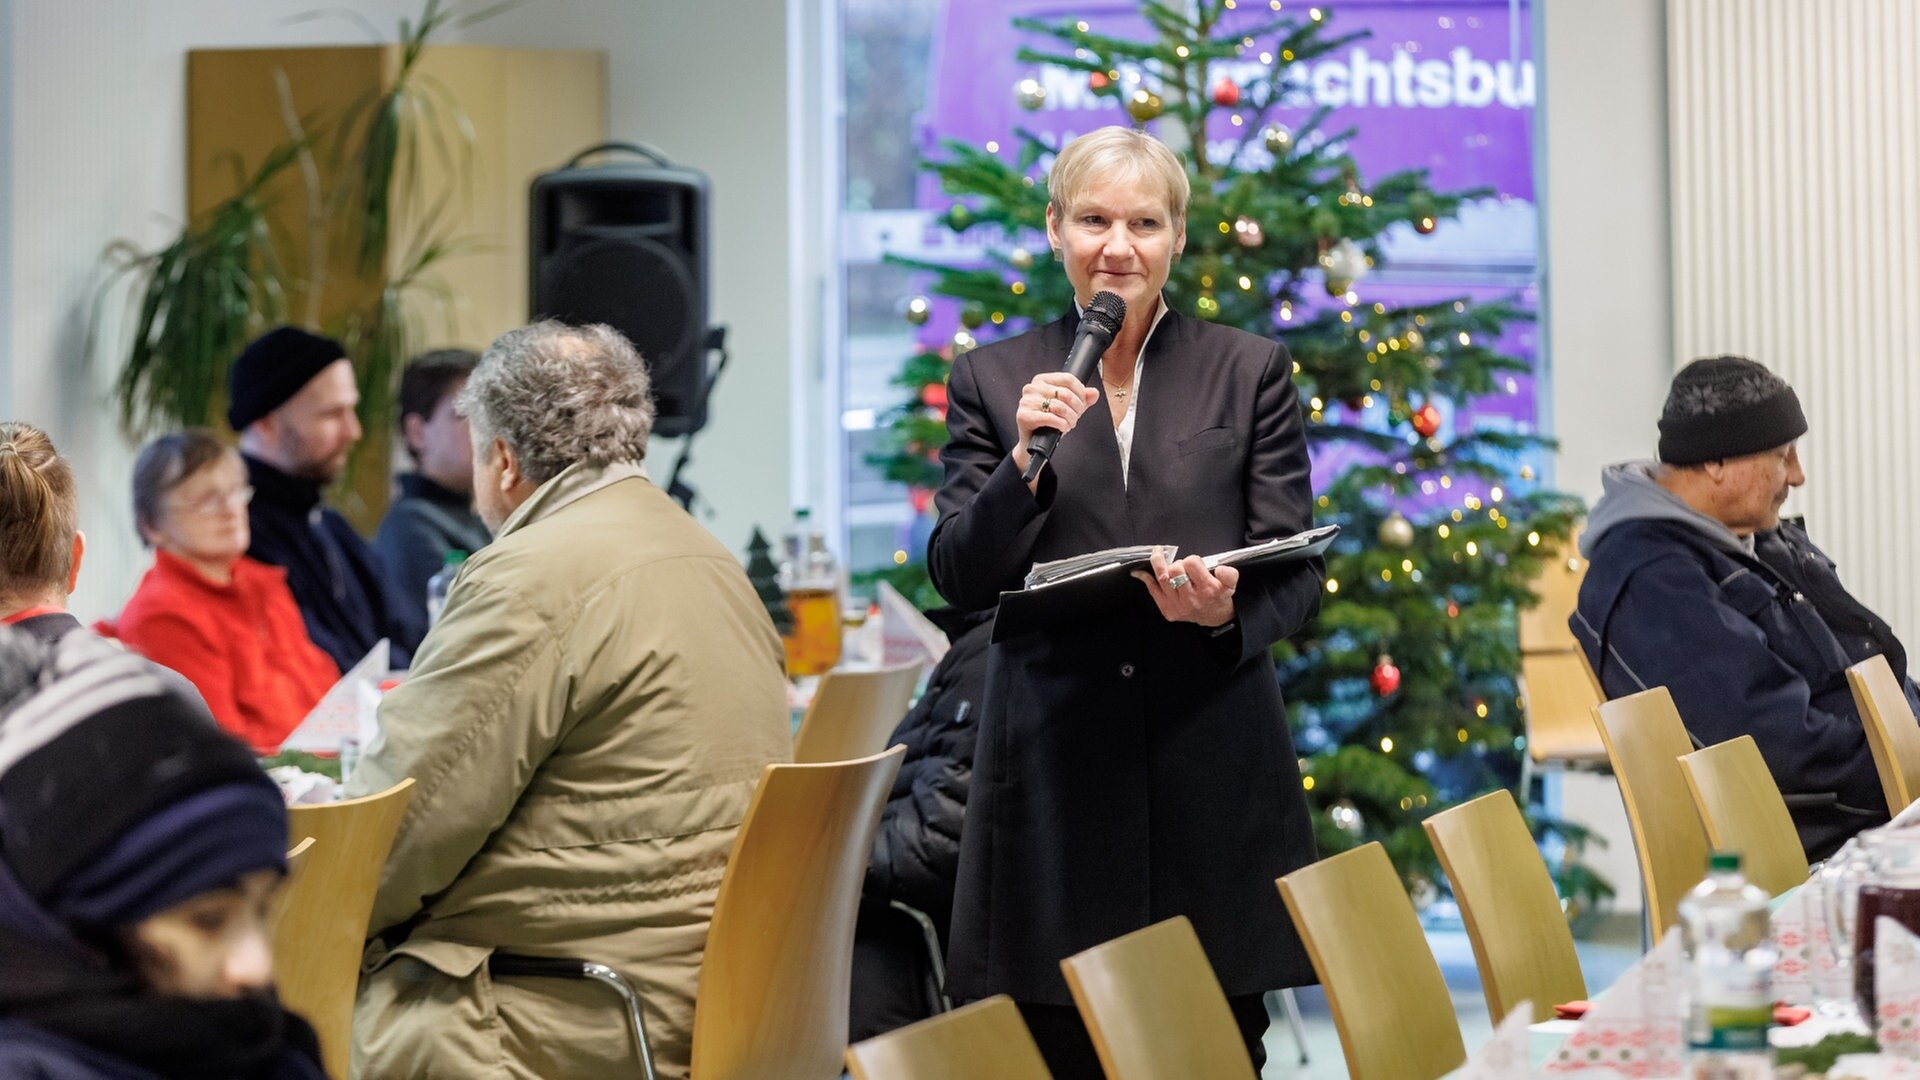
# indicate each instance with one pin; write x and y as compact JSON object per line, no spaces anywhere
{"x":1695,"y":583}
{"x":140,"y":852}
{"x":291,"y":397}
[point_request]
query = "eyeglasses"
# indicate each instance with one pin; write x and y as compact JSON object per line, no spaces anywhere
{"x":237,"y":499}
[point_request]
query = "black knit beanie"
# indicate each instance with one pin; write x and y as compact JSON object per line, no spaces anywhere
{"x":273,"y":368}
{"x":1727,"y":407}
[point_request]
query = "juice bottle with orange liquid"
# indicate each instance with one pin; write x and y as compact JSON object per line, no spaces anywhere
{"x":811,"y":579}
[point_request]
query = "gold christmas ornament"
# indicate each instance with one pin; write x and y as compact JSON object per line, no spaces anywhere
{"x":1396,"y":531}
{"x":919,"y":309}
{"x":1031,"y":95}
{"x":1248,"y":232}
{"x":1279,"y":139}
{"x":963,"y":343}
{"x":1020,"y":258}
{"x":973,"y":315}
{"x":1145,"y":105}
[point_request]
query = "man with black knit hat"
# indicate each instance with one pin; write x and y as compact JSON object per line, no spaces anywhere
{"x":291,"y":397}
{"x":141,"y":849}
{"x":1695,"y":583}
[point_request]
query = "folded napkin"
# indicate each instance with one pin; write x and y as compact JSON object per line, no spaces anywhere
{"x":1637,"y":1027}
{"x":1896,"y":989}
{"x":1805,"y":970}
{"x":1503,"y":1057}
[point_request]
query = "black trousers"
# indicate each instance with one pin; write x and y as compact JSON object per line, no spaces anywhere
{"x":1069,"y":1051}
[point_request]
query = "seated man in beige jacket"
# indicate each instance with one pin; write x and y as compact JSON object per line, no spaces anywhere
{"x":584,"y":725}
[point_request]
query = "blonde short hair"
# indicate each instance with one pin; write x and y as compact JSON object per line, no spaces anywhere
{"x":1119,"y":151}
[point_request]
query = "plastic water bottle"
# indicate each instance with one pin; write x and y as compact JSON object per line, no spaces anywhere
{"x":1729,"y":950}
{"x":440,"y":582}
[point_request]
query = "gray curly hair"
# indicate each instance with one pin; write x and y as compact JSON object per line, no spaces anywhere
{"x":560,"y":394}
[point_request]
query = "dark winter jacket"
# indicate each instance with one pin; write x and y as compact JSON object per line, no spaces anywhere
{"x":1748,"y":641}
{"x":916,"y":849}
{"x":337,"y":580}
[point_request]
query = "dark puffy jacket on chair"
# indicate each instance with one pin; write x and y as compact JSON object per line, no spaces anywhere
{"x":916,"y":849}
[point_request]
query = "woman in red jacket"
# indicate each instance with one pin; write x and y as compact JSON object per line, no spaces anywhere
{"x":226,"y":622}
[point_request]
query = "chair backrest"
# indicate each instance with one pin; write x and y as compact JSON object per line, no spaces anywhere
{"x":853,"y":713}
{"x":1519,"y":933}
{"x":1560,"y":696}
{"x":323,"y":928}
{"x":1645,"y":739}
{"x":1155,"y":1009}
{"x":1891,"y":732}
{"x":1543,"y":627}
{"x":774,"y":982}
{"x":985,"y":1039}
{"x":1741,"y":807}
{"x":1388,"y":999}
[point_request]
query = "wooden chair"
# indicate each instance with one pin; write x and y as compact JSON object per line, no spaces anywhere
{"x":985,"y":1039}
{"x":323,"y":928}
{"x":853,"y":713}
{"x":1543,"y":627}
{"x":1388,"y":999}
{"x":774,"y":981}
{"x":1743,"y":811}
{"x":1892,"y":734}
{"x":1559,"y":695}
{"x":1645,"y":740}
{"x":1155,"y":1009}
{"x":1520,"y":938}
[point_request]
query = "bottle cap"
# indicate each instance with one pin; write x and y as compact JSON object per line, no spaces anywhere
{"x":1721,"y":862}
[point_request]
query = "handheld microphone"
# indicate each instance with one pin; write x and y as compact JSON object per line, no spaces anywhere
{"x":1098,"y":323}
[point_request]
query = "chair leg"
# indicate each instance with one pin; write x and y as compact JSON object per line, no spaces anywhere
{"x":549,"y":967}
{"x":937,"y":999}
{"x":1291,"y":1002}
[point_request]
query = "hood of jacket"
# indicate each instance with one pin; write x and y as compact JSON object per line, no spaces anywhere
{"x":1630,"y":492}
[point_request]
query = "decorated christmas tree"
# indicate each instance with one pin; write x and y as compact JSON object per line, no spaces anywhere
{"x":1402,"y":693}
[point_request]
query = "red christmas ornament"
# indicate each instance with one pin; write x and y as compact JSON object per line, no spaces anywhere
{"x":1098,"y":80}
{"x":1426,"y":420}
{"x":1226,"y":92}
{"x":1453,"y":610}
{"x":934,"y":396}
{"x":922,"y":498}
{"x":1386,"y":677}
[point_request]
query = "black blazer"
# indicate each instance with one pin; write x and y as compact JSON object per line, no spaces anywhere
{"x":1133,"y":770}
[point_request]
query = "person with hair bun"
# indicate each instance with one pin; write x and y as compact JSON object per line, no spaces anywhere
{"x":40,"y":540}
{"x":227,"y":623}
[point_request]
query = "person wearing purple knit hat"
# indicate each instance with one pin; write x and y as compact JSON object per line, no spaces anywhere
{"x":141,"y":850}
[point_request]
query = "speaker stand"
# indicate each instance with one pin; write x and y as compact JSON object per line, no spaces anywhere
{"x":677,"y":487}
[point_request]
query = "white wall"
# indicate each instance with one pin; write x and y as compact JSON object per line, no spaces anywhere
{"x":708,"y":85}
{"x":93,"y":149}
{"x":1602,"y":150}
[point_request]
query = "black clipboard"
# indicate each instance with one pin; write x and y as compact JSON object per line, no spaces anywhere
{"x":1109,"y":591}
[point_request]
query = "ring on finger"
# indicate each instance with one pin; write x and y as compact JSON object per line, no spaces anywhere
{"x":1178,"y":581}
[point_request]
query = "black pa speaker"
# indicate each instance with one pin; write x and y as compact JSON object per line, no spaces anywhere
{"x":626,"y":244}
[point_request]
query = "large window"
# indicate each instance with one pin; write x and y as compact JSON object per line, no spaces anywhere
{"x":1443,"y":84}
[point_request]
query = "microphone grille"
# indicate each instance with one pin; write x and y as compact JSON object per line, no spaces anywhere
{"x":1107,"y":311}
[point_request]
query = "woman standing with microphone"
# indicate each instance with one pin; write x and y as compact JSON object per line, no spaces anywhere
{"x":1136,"y":769}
